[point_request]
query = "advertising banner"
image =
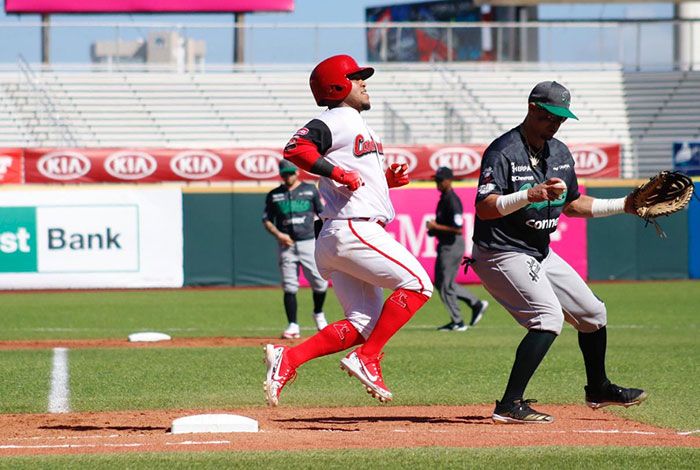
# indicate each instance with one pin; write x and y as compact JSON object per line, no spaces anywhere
{"x":414,"y":207}
{"x":106,"y":238}
{"x":686,"y":157}
{"x":11,"y":166}
{"x":596,"y":160}
{"x":152,"y":165}
{"x":592,"y":160}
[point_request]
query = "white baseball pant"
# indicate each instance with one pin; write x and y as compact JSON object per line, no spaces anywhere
{"x":362,"y":259}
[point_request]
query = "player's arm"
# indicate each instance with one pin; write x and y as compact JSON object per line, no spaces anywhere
{"x":494,"y":206}
{"x":457,"y":226}
{"x":432,"y":225}
{"x":281,"y":237}
{"x":306,"y":148}
{"x":588,"y":206}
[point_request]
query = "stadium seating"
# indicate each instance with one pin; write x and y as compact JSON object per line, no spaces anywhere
{"x":412,"y":104}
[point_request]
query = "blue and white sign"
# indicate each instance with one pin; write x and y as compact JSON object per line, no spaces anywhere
{"x":686,"y":157}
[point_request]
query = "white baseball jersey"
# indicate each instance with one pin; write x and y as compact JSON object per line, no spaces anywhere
{"x":344,"y":139}
{"x":358,"y":254}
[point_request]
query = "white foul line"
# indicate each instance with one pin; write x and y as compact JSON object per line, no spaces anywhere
{"x":126,"y":444}
{"x":59,"y":394}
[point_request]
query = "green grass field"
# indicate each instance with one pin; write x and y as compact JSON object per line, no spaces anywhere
{"x":653,"y":344}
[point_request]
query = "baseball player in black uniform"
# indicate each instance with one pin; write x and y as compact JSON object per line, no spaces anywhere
{"x":527,"y":181}
{"x":448,"y":227}
{"x":289,"y":215}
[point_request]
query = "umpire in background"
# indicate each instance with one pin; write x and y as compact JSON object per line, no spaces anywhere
{"x":289,"y":215}
{"x":448,"y":227}
{"x":527,"y":181}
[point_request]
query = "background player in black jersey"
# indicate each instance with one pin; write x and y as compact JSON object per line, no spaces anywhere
{"x":289,"y":215}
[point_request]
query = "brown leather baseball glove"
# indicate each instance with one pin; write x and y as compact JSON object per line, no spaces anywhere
{"x":665,"y":193}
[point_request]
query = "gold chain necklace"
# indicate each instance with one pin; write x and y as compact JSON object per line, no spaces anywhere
{"x":534,"y":156}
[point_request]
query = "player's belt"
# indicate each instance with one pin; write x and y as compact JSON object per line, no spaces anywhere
{"x":371,"y":219}
{"x":365,"y":219}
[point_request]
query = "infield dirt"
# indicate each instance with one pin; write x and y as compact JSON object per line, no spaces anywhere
{"x":288,"y":428}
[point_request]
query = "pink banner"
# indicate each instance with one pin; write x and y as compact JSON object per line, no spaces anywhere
{"x":132,"y":6}
{"x":416,"y":206}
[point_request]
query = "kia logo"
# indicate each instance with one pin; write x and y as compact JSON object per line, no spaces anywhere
{"x":259,"y":164}
{"x":63,"y":165}
{"x":130,"y":165}
{"x":589,"y":159}
{"x":462,"y":160}
{"x":395,"y":155}
{"x":196,"y":164}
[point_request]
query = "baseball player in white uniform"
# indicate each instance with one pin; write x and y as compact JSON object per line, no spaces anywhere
{"x":352,"y":248}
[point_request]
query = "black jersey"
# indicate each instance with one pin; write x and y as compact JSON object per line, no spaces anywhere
{"x":292,"y":212}
{"x":505,"y":169}
{"x":449,"y":212}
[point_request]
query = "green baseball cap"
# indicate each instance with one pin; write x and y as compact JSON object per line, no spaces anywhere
{"x":552,"y":97}
{"x":287,"y":167}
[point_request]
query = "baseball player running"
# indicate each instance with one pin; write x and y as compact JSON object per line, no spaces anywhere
{"x":527,"y":181}
{"x":289,"y":215}
{"x":352,"y":248}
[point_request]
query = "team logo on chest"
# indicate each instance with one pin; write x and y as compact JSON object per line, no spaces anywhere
{"x":363,"y":147}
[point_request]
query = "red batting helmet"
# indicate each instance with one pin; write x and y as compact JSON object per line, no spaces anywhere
{"x":329,"y":80}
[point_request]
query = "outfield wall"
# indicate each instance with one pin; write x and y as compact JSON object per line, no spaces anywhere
{"x":144,"y":236}
{"x":612,"y":248}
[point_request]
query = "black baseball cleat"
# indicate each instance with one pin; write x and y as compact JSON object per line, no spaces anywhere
{"x":478,"y":312}
{"x":611,"y":394}
{"x":519,"y":412}
{"x":453,"y":326}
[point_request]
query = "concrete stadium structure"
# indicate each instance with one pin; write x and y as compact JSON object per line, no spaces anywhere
{"x":412,"y":104}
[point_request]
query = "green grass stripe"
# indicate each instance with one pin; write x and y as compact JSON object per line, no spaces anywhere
{"x":26,"y":377}
{"x":652,"y":338}
{"x":445,"y":458}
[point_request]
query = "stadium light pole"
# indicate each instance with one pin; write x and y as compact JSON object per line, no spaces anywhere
{"x":239,"y":39}
{"x":45,"y":39}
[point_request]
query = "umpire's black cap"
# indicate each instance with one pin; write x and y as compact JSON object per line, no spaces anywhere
{"x":443,"y":173}
{"x":552,"y":97}
{"x":287,"y":167}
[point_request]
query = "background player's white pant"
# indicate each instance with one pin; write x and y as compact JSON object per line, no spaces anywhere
{"x":540,"y":296}
{"x":362,"y":259}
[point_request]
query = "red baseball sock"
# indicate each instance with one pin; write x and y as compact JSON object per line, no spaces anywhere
{"x":335,"y":337}
{"x":397,"y":310}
